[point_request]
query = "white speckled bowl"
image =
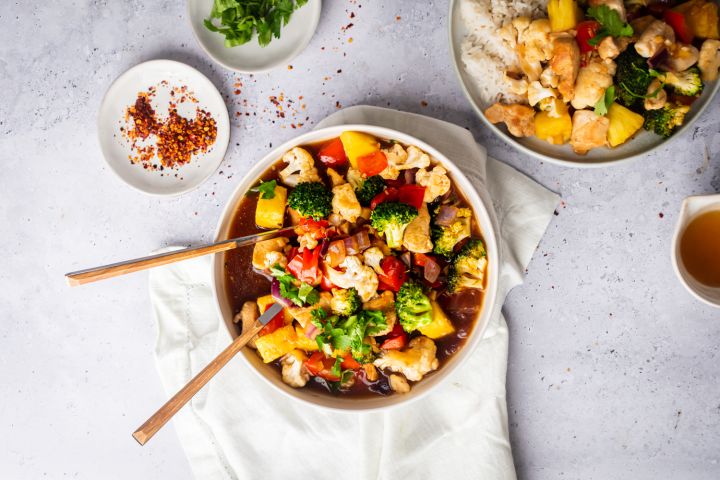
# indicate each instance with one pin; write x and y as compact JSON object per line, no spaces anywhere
{"x":643,"y":143}
{"x":345,"y":403}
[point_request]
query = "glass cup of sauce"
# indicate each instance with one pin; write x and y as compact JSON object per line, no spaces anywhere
{"x":696,"y":247}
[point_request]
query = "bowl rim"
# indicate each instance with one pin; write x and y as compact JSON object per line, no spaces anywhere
{"x":509,"y":139}
{"x":270,"y":66}
{"x":482,"y":214}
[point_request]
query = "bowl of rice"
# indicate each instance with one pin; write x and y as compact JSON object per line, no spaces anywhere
{"x":481,"y":58}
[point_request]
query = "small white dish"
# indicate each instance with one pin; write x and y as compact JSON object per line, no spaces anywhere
{"x":251,"y":57}
{"x":123,"y":93}
{"x":690,"y":209}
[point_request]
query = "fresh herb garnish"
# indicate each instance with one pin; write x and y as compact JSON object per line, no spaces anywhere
{"x":611,"y":25}
{"x":348,"y":334}
{"x":305,"y":294}
{"x":265,"y":189}
{"x":337,"y":367}
{"x":602,"y":105}
{"x":239,"y":19}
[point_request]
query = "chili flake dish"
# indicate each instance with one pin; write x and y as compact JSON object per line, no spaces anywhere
{"x":384,"y":278}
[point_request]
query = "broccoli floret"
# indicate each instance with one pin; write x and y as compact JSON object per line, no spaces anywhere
{"x":391,"y":219}
{"x":311,"y":199}
{"x":468,"y":267}
{"x":345,"y":302}
{"x":665,"y":120}
{"x":369,"y":188}
{"x":686,"y":83}
{"x":632,"y":78}
{"x":413,"y":306}
{"x":445,"y":238}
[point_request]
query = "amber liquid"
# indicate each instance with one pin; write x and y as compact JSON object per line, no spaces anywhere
{"x":700,"y":248}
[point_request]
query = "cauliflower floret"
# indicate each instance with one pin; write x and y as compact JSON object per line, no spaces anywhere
{"x":345,"y":203}
{"x":307,"y":240}
{"x":294,"y":372}
{"x":301,"y":168}
{"x":537,"y":92}
{"x":548,"y":78}
{"x":400,"y":159}
{"x":385,"y":302}
{"x":357,"y":275}
{"x":518,"y":86}
{"x":417,"y":234}
{"x":436,"y":182}
{"x":398,"y":383}
{"x":354,"y":178}
{"x":414,"y":362}
{"x":269,"y":252}
{"x":373,"y":256}
{"x":335,"y":178}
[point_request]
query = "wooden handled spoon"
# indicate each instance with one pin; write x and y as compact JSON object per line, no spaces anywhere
{"x":129,"y":266}
{"x":166,"y":412}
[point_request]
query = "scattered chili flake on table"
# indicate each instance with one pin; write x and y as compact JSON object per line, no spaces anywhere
{"x":176,"y":138}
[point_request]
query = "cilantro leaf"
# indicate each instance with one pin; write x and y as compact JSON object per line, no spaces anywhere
{"x":266,"y":189}
{"x":337,"y":367}
{"x":611,"y":25}
{"x":602,"y":105}
{"x":305,"y":294}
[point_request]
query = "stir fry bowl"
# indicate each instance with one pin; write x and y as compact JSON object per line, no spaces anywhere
{"x":362,"y":403}
{"x":642,"y":144}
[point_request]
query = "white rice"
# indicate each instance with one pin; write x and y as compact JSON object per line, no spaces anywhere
{"x":485,"y":55}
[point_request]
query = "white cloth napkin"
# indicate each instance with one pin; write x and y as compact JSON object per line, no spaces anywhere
{"x":238,"y":427}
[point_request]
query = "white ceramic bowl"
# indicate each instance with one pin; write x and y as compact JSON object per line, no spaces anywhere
{"x":346,"y":403}
{"x":251,"y":57}
{"x":643,"y":143}
{"x":691,"y":208}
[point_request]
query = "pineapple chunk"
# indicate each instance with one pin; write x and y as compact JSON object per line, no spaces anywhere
{"x":270,"y":212}
{"x":563,"y":14}
{"x":276,"y":344}
{"x":264,"y":303}
{"x":702,"y":17}
{"x":440,"y":325}
{"x":555,"y":130}
{"x":624,"y":123}
{"x":357,"y":144}
{"x":303,"y":342}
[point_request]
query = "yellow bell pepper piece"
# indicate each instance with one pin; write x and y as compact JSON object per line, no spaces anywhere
{"x":276,"y":344}
{"x":264,"y":303}
{"x":440,"y":325}
{"x":624,"y":123}
{"x":563,"y":14}
{"x":270,"y":212}
{"x":303,"y":342}
{"x":357,"y":144}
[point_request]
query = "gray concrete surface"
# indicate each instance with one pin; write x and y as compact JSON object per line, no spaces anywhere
{"x":613,"y":369}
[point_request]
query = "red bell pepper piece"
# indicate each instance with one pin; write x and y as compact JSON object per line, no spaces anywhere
{"x":349,"y":363}
{"x":372,"y":164}
{"x":421,"y":259}
{"x":276,"y":322}
{"x":320,"y":366}
{"x":318,"y":228}
{"x":394,"y":275}
{"x":390,"y":194}
{"x":585,"y":31}
{"x":332,"y":154}
{"x":326,"y":285}
{"x":412,"y":195}
{"x":305,"y":266}
{"x":396,"y":339}
{"x":679,"y":24}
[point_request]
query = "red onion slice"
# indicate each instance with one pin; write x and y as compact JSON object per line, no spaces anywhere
{"x":275,"y":291}
{"x":336,"y":253}
{"x":446,"y":216}
{"x":431,"y":272}
{"x":363,"y":240}
{"x":406,"y":258}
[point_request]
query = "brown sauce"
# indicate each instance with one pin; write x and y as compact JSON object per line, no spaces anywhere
{"x":245,"y":284}
{"x":700,"y":248}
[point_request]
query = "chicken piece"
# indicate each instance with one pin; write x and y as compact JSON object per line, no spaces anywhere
{"x":335,"y":178}
{"x":303,"y":315}
{"x":300,"y":168}
{"x":640,"y":24}
{"x":345,"y":202}
{"x":417,"y":234}
{"x":385,"y":302}
{"x":565,"y":63}
{"x":357,"y":275}
{"x":517,"y":117}
{"x":657,"y":35}
{"x":548,"y":78}
{"x":414,"y":362}
{"x":372,"y":258}
{"x":592,"y":81}
{"x":616,"y":5}
{"x":656,"y":97}
{"x":681,"y":57}
{"x":709,"y":60}
{"x":607,"y":48}
{"x":247,"y":317}
{"x":537,"y":92}
{"x":398,"y":383}
{"x":294,"y":372}
{"x":269,"y":252}
{"x":589,"y":131}
{"x":435,"y":181}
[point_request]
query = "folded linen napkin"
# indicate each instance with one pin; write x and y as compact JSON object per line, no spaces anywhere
{"x":238,"y":427}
